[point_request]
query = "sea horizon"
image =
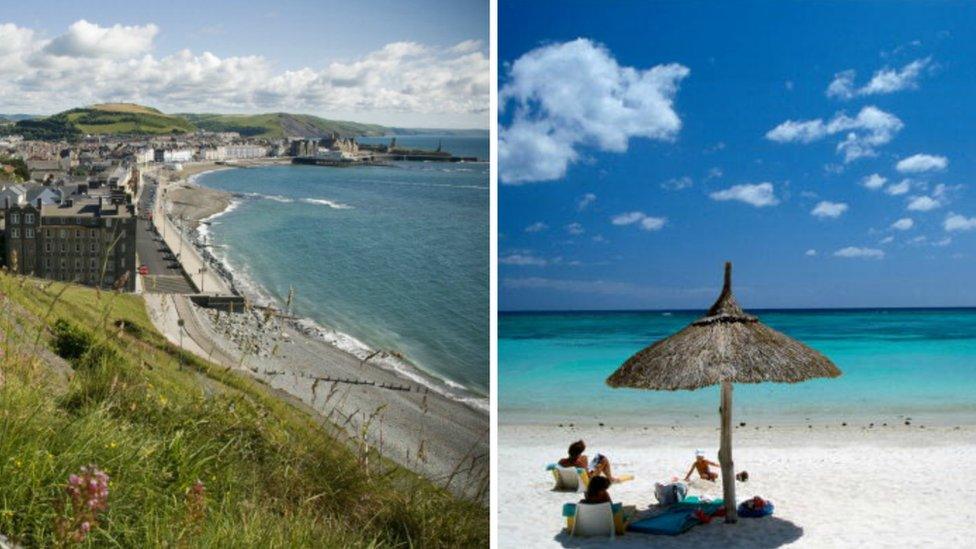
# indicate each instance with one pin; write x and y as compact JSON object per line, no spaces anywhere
{"x":895,"y":362}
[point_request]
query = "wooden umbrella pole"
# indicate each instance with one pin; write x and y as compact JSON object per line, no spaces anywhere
{"x":725,"y":454}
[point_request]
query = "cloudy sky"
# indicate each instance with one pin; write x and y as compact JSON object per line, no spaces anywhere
{"x":825,"y":148}
{"x":418,"y":64}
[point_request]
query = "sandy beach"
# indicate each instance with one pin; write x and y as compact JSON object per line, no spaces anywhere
{"x":833,"y":486}
{"x":436,"y":436}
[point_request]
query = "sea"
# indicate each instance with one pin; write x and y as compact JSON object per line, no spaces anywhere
{"x":914,"y":365}
{"x":391,"y":258}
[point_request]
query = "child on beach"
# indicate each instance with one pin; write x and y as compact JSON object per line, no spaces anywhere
{"x":702,"y":466}
{"x":599,"y":466}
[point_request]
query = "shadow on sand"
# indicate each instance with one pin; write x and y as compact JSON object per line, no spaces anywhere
{"x":762,"y":533}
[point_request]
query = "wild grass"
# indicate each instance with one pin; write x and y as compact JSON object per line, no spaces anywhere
{"x":197,"y":457}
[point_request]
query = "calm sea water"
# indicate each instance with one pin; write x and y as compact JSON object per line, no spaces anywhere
{"x":918,"y":363}
{"x":396,"y":257}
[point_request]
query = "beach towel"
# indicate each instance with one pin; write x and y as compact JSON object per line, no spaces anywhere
{"x":679,"y":517}
{"x":669,"y":523}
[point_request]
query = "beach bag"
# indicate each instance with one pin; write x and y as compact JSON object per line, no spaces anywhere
{"x":667,"y":494}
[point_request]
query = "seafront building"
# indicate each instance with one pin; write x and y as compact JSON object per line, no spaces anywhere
{"x":89,"y":240}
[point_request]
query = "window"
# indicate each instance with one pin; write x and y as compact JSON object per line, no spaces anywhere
{"x":47,"y":262}
{"x":64,"y":246}
{"x":93,"y":264}
{"x":62,"y":263}
{"x":92,"y":233}
{"x":47,"y":246}
{"x":77,"y":247}
{"x":15,"y":218}
{"x":29,"y":232}
{"x":91,"y":247}
{"x":122,"y":247}
{"x":29,"y":219}
{"x":77,"y":233}
{"x":64,"y":234}
{"x":77,"y":264}
{"x":15,"y":233}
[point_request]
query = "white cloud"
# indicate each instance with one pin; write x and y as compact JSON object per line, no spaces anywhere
{"x":584,"y":201}
{"x":884,"y":81}
{"x":677,"y":183}
{"x":922,"y":163}
{"x":523,"y":260}
{"x":89,"y":64}
{"x":811,"y":252}
{"x":829,"y":209}
{"x":84,"y":39}
{"x":923,"y":204}
{"x":874,"y":181}
{"x":891,"y":80}
{"x":644,"y":221}
{"x":575,"y":229}
{"x":758,"y":194}
{"x":957,"y":222}
{"x":903,"y":224}
{"x":573,"y":95}
{"x":887,"y":240}
{"x":714,"y":173}
{"x":871,"y":128}
{"x":536,"y":227}
{"x":855,"y":252}
{"x":900,"y":188}
{"x":842,"y":85}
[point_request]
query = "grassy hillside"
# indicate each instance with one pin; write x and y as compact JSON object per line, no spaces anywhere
{"x":107,"y":118}
{"x":277,"y":125}
{"x":195,"y":455}
{"x":125,"y":118}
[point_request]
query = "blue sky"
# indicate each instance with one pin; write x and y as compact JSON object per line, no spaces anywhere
{"x":696,"y":165}
{"x":437,"y":82}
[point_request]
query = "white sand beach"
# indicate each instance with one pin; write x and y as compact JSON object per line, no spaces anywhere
{"x":832,"y":486}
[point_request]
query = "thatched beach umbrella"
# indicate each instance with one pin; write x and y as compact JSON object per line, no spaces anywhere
{"x":725,"y":346}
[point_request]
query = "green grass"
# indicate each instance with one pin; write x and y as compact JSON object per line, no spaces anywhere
{"x":119,"y":399}
{"x":125,"y":118}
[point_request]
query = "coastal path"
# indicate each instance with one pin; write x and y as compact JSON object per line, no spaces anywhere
{"x":203,"y":279}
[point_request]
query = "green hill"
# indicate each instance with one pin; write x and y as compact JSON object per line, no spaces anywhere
{"x":126,"y":118}
{"x":107,"y":118}
{"x":197,"y":455}
{"x":280,"y":124}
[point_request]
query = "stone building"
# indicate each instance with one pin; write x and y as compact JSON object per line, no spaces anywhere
{"x":85,"y":240}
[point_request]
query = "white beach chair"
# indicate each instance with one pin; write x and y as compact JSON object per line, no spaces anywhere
{"x":593,"y":519}
{"x":569,"y":479}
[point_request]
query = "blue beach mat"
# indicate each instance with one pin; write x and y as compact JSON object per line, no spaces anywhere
{"x":677,"y":519}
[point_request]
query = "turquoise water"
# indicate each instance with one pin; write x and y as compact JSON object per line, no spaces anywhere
{"x":396,"y":257}
{"x":918,"y":363}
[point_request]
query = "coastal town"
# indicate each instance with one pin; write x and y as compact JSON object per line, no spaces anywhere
{"x":121,"y":212}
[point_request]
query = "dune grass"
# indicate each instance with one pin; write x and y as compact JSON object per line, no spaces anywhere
{"x":197,"y":455}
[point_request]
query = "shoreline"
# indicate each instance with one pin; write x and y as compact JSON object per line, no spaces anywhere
{"x":439,"y":434}
{"x":807,"y":474}
{"x":389,"y":359}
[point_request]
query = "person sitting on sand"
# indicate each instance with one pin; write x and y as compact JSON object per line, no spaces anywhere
{"x":576,"y":458}
{"x":702,"y":466}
